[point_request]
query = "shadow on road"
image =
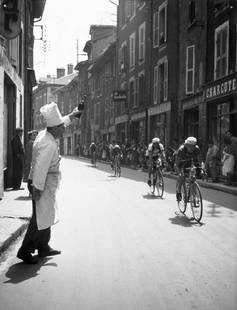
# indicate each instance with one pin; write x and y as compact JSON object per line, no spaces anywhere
{"x":151,"y":197}
{"x":184,"y":221}
{"x":23,"y":198}
{"x":21,"y":272}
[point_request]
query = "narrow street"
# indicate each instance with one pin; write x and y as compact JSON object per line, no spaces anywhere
{"x":124,"y":249}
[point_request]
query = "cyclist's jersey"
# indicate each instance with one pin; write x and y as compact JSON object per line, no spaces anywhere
{"x":116,"y":150}
{"x":93,"y":148}
{"x":184,"y":158}
{"x":156,"y":152}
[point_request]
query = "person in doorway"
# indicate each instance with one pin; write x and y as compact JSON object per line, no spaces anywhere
{"x":43,"y":182}
{"x":28,"y":153}
{"x":17,"y":159}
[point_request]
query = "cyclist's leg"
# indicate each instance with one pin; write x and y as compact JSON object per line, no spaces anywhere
{"x":149,"y":171}
{"x":179,"y":183}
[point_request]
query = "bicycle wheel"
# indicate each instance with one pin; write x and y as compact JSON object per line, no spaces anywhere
{"x":118,"y":170}
{"x":182,"y":204}
{"x":160,"y":184}
{"x":196,"y":202}
{"x":154,"y":180}
{"x":115,"y":168}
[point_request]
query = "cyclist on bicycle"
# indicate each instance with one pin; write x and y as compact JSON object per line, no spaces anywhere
{"x":187,"y":153}
{"x":114,"y":151}
{"x":155,"y":150}
{"x":93,"y":149}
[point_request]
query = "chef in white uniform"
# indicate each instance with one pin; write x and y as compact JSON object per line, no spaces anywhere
{"x":43,"y":182}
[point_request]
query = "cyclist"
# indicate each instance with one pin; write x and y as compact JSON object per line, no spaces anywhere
{"x":187,"y":152}
{"x":93,"y":149}
{"x":114,"y":151}
{"x":155,"y":150}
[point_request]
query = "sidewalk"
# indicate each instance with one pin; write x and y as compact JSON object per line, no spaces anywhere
{"x":15,"y":211}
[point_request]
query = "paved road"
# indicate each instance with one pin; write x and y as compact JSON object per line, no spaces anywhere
{"x":122,"y":249}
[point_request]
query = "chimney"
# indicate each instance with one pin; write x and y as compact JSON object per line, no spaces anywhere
{"x":69,"y":69}
{"x":60,"y":72}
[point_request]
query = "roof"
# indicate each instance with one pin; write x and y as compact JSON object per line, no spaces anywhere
{"x":60,"y":81}
{"x":81,"y":64}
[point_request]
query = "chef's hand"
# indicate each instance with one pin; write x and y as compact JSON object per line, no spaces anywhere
{"x":75,"y":113}
{"x":36,"y":193}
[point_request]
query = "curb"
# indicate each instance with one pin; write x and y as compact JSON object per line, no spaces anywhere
{"x":13,"y":236}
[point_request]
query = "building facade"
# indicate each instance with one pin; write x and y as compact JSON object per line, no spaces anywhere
{"x":133,"y":78}
{"x":16,"y":75}
{"x":164,"y":65}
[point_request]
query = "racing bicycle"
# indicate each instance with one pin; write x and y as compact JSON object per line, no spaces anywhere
{"x":117,"y":166}
{"x":157,"y":177}
{"x":191,"y":194}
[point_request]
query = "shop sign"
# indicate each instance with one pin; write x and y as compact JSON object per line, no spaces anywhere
{"x":222,"y":88}
{"x":119,"y":95}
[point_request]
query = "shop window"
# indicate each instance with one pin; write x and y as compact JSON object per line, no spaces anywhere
{"x":155,"y":30}
{"x":190,"y":69}
{"x":132,"y":50}
{"x":142,"y":40}
{"x":162,"y":18}
{"x":221,"y":51}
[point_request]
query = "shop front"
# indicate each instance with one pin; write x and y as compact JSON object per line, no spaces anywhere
{"x":121,"y":123}
{"x":159,"y":121}
{"x":138,"y":128}
{"x":221,"y":99}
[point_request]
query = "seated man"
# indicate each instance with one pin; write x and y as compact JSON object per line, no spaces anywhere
{"x":115,"y":150}
{"x":155,"y":150}
{"x":187,"y":152}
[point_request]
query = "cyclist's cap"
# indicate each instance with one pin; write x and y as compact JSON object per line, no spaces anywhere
{"x":155,"y":140}
{"x":191,"y":141}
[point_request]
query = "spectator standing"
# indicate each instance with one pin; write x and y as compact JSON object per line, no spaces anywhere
{"x":17,"y":159}
{"x":211,"y":163}
{"x":228,"y":160}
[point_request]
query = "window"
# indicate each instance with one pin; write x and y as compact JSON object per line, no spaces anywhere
{"x":190,"y":65}
{"x":111,"y":111}
{"x":97,"y":113}
{"x":155,"y":30}
{"x":141,"y":88}
{"x":162,"y":79}
{"x":221,"y":50}
{"x":142,"y":34}
{"x":192,"y":11}
{"x":133,"y":6}
{"x":155,"y":87}
{"x":106,"y":111}
{"x":132,"y":50}
{"x":123,"y":57}
{"x":132,"y":93}
{"x":162,"y":18}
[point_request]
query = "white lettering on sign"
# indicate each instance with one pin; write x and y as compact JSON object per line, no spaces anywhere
{"x":221,"y":89}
